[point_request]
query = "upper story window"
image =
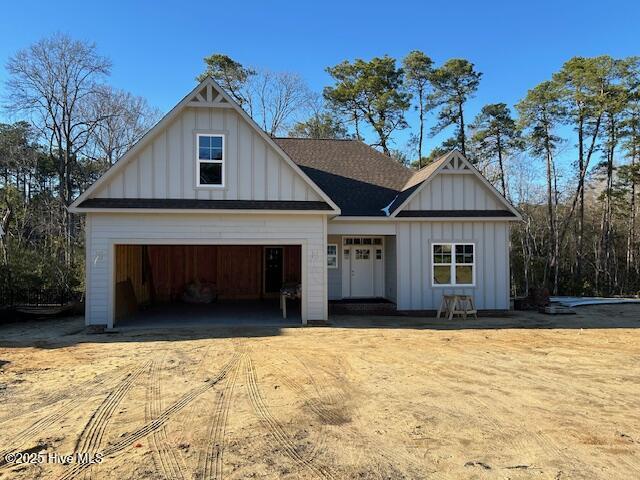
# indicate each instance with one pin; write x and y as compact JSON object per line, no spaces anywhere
{"x":210,"y":160}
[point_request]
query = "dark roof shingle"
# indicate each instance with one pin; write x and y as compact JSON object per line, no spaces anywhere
{"x":361,"y":180}
{"x":347,"y":158}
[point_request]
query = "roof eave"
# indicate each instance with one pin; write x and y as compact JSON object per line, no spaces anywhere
{"x":82,"y":210}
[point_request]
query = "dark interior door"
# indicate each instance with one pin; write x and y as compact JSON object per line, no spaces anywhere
{"x":272,"y":269}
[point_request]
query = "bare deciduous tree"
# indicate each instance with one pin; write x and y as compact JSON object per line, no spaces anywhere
{"x":53,"y":82}
{"x":275,"y":98}
{"x":125,"y":119}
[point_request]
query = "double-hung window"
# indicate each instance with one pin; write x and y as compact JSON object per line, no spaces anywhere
{"x":453,"y":264}
{"x":210,"y":160}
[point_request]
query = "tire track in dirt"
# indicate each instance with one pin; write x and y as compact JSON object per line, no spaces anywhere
{"x":330,"y":417}
{"x":313,"y":402}
{"x":188,"y":423}
{"x":480,"y":416}
{"x":211,"y":463}
{"x":554,"y":379}
{"x":297,"y":388}
{"x":163,"y":456}
{"x":88,"y":387}
{"x":274,"y":427}
{"x":322,"y":392}
{"x":90,"y":438}
{"x":520,"y":444}
{"x":154,"y":425}
{"x":36,"y":428}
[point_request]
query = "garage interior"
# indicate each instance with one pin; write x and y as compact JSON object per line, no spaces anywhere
{"x":179,"y":285}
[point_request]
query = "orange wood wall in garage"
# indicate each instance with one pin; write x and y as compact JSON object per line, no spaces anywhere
{"x":236,"y":271}
{"x":129,"y":266}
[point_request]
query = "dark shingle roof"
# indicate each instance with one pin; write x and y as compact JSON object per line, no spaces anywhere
{"x":359,"y":179}
{"x":364,"y":182}
{"x":347,"y":158}
{"x":192,"y":204}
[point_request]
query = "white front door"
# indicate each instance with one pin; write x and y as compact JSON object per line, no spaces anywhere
{"x":361,"y":271}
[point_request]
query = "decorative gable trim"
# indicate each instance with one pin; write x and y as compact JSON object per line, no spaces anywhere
{"x":206,"y":94}
{"x":455,"y":163}
{"x":209,"y":97}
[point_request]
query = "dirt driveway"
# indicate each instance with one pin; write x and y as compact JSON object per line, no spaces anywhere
{"x":527,"y":396}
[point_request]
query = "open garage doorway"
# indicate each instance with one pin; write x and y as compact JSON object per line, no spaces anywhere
{"x":190,"y":285}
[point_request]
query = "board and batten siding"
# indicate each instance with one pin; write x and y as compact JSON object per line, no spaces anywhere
{"x":105,"y":230}
{"x":166,"y":167}
{"x":334,"y":275}
{"x":414,"y":240}
{"x":390,"y":270}
{"x":448,"y":191}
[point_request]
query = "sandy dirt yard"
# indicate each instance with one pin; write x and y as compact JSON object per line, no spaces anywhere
{"x":524,"y":396}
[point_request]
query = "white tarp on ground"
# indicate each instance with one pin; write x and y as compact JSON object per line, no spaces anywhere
{"x":579,"y":301}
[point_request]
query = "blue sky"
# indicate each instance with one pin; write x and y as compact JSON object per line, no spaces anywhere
{"x":157,"y":46}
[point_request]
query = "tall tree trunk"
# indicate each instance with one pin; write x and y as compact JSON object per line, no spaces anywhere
{"x":631,"y":240}
{"x":580,"y":233}
{"x":551,"y":210}
{"x":461,"y":135}
{"x":581,"y":178}
{"x":66,"y":203}
{"x":501,"y":165}
{"x":605,"y":239}
{"x":356,"y":120}
{"x":421,"y":132}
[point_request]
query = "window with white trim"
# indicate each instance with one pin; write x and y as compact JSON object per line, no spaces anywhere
{"x":332,"y":255}
{"x":453,"y":264}
{"x":210,"y":160}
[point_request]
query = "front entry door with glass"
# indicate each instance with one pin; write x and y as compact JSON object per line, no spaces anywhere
{"x":361,"y":271}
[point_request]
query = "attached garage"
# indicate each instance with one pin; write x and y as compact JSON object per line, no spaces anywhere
{"x":244,"y":257}
{"x":205,"y":196}
{"x":203,"y":283}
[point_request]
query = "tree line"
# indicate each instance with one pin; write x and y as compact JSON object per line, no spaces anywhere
{"x":567,"y":155}
{"x":580,"y":228}
{"x":74,"y":126}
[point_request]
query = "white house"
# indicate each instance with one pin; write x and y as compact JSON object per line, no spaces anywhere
{"x":207,"y":196}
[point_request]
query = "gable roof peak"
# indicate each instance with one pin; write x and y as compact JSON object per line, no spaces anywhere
{"x":453,"y":160}
{"x":218,"y":99}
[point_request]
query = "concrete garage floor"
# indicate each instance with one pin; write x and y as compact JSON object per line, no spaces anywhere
{"x":222,"y":313}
